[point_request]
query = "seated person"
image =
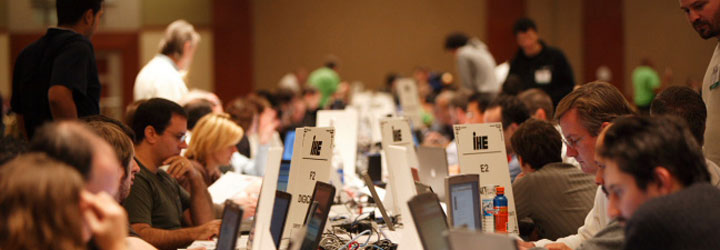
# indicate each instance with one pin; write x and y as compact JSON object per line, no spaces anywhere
{"x":45,"y":206}
{"x":511,"y":112}
{"x":658,"y":184}
{"x":259,"y":123}
{"x":555,"y":195}
{"x":688,"y":105}
{"x":120,"y":137}
{"x":160,"y":210}
{"x":214,"y":143}
{"x":581,"y":115}
{"x":540,"y":106}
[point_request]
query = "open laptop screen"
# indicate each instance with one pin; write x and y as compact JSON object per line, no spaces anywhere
{"x":463,"y":201}
{"x":323,"y":195}
{"x":279,"y":215}
{"x":429,"y":220}
{"x":284,"y":174}
{"x":465,"y":205}
{"x":232,"y":216}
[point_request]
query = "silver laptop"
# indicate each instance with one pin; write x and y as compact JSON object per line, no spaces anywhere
{"x":433,"y":168}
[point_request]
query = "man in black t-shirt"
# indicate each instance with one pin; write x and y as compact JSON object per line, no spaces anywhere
{"x":538,"y":65}
{"x":56,"y":77}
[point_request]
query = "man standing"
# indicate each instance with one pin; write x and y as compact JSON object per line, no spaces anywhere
{"x":704,"y":15}
{"x":56,"y":77}
{"x":539,"y":65}
{"x":158,"y":198}
{"x":475,"y":64}
{"x":163,"y":76}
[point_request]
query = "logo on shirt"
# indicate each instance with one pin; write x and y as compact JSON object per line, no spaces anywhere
{"x":479,"y":142}
{"x":316,"y":147}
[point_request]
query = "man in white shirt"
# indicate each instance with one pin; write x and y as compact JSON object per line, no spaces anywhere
{"x":164,"y":75}
{"x":582,"y":114}
{"x":704,"y":15}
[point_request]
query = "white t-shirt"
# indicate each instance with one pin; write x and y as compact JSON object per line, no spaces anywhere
{"x":711,"y":97}
{"x":160,"y":78}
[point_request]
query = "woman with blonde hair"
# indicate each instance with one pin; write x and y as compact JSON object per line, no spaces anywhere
{"x":43,"y":205}
{"x":213,"y":143}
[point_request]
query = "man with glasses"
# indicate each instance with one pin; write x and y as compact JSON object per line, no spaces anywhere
{"x":582,"y":114}
{"x":167,"y":187}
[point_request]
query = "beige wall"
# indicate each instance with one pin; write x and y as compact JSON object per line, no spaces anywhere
{"x":3,"y":14}
{"x":5,"y":66}
{"x":371,"y":38}
{"x":560,"y":25}
{"x":659,"y":30}
{"x":201,"y":70}
{"x":160,"y":13}
{"x":120,"y":15}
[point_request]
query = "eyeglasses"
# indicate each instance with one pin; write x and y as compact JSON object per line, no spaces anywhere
{"x":181,"y":136}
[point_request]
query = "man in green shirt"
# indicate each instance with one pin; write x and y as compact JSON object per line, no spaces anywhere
{"x":158,"y":206}
{"x":325,"y":80}
{"x":645,"y":83}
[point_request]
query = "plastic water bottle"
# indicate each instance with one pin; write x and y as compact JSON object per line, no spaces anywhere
{"x":501,"y":210}
{"x":487,"y":195}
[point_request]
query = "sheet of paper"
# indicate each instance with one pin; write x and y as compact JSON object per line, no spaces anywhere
{"x":481,"y":150}
{"x":229,"y":185}
{"x":312,"y":154}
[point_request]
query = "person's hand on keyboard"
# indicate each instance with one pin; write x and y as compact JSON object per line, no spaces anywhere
{"x":208,"y":230}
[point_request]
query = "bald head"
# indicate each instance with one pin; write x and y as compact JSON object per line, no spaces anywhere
{"x":74,"y":144}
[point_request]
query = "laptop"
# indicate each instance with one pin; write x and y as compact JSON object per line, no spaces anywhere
{"x":463,"y":203}
{"x":433,"y":168}
{"x":230,"y":226}
{"x":315,"y":221}
{"x":279,"y":216}
{"x":461,"y":239}
{"x":375,"y":168}
{"x":430,"y":221}
{"x":378,"y":201}
{"x":284,"y":174}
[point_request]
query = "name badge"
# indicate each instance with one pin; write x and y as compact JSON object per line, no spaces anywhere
{"x":543,"y":75}
{"x":715,"y":77}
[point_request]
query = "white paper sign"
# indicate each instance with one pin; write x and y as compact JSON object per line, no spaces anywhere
{"x":345,"y":123}
{"x":312,"y":154}
{"x":409,"y":100}
{"x":481,"y":150}
{"x":403,"y":188}
{"x":263,"y":215}
{"x":396,"y":131}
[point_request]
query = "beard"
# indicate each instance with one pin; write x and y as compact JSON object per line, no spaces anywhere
{"x":706,"y":29}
